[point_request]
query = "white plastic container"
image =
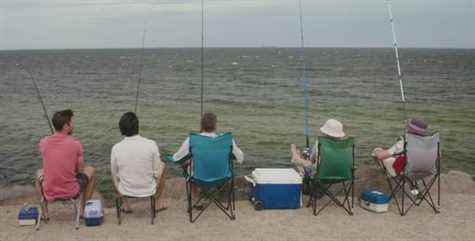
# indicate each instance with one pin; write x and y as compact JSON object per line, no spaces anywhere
{"x":93,"y":213}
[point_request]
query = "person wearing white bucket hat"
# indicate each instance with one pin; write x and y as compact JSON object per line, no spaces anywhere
{"x":306,"y":166}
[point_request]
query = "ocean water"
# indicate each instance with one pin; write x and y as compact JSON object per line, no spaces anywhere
{"x":256,"y":93}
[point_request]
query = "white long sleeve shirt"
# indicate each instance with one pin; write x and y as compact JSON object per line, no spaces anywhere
{"x":185,"y":148}
{"x":136,"y":163}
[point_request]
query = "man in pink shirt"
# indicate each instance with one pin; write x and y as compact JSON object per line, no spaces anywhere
{"x":64,"y":174}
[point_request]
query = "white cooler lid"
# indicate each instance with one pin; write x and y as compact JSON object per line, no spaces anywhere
{"x":276,"y":176}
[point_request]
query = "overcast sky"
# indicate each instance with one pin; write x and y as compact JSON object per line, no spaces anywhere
{"x":39,"y":24}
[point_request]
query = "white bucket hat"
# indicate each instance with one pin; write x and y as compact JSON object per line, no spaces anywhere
{"x":333,"y":128}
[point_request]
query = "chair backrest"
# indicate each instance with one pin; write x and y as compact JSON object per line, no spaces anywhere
{"x":422,"y":154}
{"x":211,"y":157}
{"x":336,"y":159}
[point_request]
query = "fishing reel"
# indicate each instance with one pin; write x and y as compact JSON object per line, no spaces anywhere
{"x":306,"y":153}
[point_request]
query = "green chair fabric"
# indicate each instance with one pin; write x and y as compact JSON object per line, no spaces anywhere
{"x":211,"y":159}
{"x":336,"y":160}
{"x":336,"y":166}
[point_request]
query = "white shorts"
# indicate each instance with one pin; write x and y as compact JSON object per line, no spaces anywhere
{"x":388,"y":164}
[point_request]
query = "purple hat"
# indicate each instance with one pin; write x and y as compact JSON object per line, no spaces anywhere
{"x":416,"y":126}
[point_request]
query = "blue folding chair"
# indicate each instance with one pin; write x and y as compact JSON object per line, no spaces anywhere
{"x":212,"y":172}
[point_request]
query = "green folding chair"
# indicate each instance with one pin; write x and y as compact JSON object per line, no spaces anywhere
{"x":336,"y":166}
{"x":212,"y":172}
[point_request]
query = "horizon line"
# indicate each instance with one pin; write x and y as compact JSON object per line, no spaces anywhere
{"x":242,"y":47}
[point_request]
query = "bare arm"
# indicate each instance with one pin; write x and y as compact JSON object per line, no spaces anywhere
{"x":157,"y":165}
{"x":183,"y":151}
{"x":114,"y":170}
{"x":381,"y":154}
{"x":80,"y":165}
{"x":238,"y":154}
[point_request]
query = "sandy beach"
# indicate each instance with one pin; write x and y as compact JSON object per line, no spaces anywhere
{"x":455,"y":222}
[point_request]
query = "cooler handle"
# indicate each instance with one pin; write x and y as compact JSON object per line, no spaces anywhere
{"x":250,"y":180}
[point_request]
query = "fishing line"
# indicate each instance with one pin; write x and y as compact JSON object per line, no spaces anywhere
{"x":38,"y":94}
{"x":396,"y":54}
{"x":140,"y":70}
{"x":304,"y":77}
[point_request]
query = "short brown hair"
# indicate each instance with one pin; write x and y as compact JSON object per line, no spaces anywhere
{"x":61,"y":118}
{"x":208,"y":122}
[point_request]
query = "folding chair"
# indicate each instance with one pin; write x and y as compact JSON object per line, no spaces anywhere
{"x":422,"y":168}
{"x":336,"y":166}
{"x":118,"y":205}
{"x":76,"y":203}
{"x":212,"y":172}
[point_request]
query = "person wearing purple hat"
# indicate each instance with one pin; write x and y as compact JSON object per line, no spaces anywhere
{"x":393,"y":158}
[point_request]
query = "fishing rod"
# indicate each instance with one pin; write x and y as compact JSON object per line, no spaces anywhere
{"x":396,"y":54}
{"x":139,"y":81}
{"x":304,"y":77}
{"x":202,"y":54}
{"x":38,"y":94}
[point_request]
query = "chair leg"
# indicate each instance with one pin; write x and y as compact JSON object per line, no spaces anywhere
{"x":44,"y":210}
{"x":118,"y":205}
{"x":190,"y":204}
{"x":347,"y":191}
{"x":403,"y":195}
{"x":231,"y":201}
{"x":438,"y":189}
{"x":313,"y":198}
{"x":352,"y":193}
{"x":77,"y":210}
{"x":152,"y":209}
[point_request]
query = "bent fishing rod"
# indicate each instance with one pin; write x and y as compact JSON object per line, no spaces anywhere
{"x":38,"y":94}
{"x":396,"y":55}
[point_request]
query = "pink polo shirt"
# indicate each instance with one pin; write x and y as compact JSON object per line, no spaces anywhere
{"x":61,"y":155}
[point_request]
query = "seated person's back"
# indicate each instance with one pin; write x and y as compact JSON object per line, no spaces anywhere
{"x":61,"y":156}
{"x":136,"y":161}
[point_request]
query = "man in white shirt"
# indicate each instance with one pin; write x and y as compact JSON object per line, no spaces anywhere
{"x":136,"y":167}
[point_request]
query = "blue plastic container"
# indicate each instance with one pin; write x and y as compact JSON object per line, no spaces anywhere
{"x":375,"y":201}
{"x":275,"y":188}
{"x":28,"y":215}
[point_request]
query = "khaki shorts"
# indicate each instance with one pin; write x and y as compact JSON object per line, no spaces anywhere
{"x":81,"y":178}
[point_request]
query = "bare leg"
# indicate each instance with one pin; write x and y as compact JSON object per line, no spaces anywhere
{"x":160,"y":187}
{"x":194,"y":191}
{"x":125,"y":205}
{"x":39,"y":191}
{"x":87,"y":194}
{"x":296,"y":155}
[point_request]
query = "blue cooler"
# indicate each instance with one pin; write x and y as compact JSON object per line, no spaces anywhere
{"x":93,"y":213}
{"x":275,"y":188}
{"x":375,"y":201}
{"x":28,"y":215}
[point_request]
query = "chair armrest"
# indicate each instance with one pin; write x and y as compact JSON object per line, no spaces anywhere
{"x":169,"y":158}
